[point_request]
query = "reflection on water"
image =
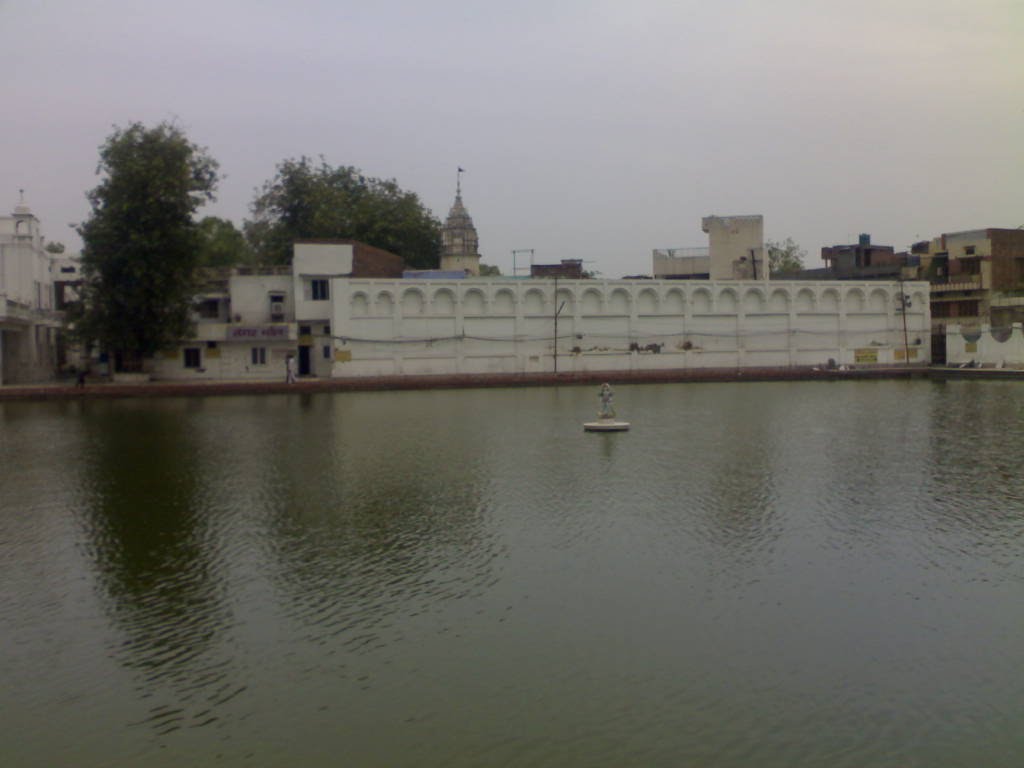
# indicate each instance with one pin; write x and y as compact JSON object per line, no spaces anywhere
{"x":148,"y":534}
{"x":759,"y":574}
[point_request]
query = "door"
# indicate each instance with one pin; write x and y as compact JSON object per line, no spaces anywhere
{"x":304,"y":361}
{"x":939,"y":345}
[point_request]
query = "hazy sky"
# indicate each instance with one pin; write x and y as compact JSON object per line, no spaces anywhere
{"x":595,"y":130}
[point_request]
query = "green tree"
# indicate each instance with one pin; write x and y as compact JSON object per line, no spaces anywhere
{"x":222,"y":244}
{"x":141,"y":243}
{"x":307,"y":200}
{"x":784,"y":257}
{"x":490,"y":270}
{"x":54,"y":247}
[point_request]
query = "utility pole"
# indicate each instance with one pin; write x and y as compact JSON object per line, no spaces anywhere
{"x":904,"y":306}
{"x":558,"y":311}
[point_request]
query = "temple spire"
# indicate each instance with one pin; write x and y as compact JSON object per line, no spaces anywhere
{"x":459,"y":243}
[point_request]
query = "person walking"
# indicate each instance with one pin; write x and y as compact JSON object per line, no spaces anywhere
{"x":289,"y":369}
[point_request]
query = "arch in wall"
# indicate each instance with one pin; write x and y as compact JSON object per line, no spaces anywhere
{"x":360,"y":304}
{"x":1002,"y":335}
{"x":879,"y":300}
{"x":701,"y":301}
{"x":805,"y":300}
{"x":504,"y":302}
{"x":565,"y":301}
{"x":474,"y":302}
{"x":647,"y":302}
{"x":918,"y":300}
{"x":753,"y":301}
{"x":619,"y":302}
{"x":829,"y":301}
{"x":384,"y":304}
{"x":533,"y":302}
{"x":675,"y":302}
{"x":593,"y":302}
{"x":443,"y":302}
{"x":413,"y":302}
{"x":727,"y":303}
{"x":854,"y":300}
{"x":779,"y":301}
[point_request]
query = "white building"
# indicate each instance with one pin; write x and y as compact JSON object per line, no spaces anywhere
{"x":29,"y":321}
{"x":249,"y":320}
{"x":735,"y":251}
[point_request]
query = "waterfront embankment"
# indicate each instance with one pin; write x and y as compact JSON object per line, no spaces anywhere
{"x":105,"y":389}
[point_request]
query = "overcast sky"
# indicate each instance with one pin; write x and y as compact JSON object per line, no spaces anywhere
{"x":588,"y":129}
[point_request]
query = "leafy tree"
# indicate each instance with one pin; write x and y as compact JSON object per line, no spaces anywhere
{"x":306,"y":200}
{"x":784,"y":257}
{"x":54,"y":247}
{"x":140,"y":242}
{"x":222,"y":244}
{"x":490,"y":270}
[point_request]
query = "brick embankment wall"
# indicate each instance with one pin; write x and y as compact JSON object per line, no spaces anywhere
{"x":464,"y":381}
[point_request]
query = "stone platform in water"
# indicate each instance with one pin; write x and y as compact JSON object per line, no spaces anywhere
{"x":605,"y":425}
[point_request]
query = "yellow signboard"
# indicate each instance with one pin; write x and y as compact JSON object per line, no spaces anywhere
{"x":342,"y":355}
{"x":865,"y":355}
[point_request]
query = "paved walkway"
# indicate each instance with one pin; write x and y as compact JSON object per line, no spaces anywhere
{"x":105,"y":389}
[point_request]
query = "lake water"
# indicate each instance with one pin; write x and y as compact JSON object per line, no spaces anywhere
{"x":776,"y":574}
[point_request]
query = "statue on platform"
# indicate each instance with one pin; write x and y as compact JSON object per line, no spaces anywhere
{"x":607,"y":409}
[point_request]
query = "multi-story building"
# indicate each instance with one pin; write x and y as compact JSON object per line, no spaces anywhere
{"x":977,"y":282}
{"x":569,"y":269}
{"x":862,"y":260}
{"x":30,"y":324}
{"x":735,"y":251}
{"x":250,"y":320}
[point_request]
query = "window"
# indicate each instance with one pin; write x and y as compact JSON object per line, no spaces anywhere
{"x":208,"y":309}
{"x":968,"y":250}
{"x":327,"y":351}
{"x":305,"y":330}
{"x":259,"y":355}
{"x":277,"y":306}
{"x":327,"y":330}
{"x":192,"y":357}
{"x":211,"y":345}
{"x":320,"y":290}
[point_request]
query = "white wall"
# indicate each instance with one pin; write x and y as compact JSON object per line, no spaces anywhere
{"x":317,"y":261}
{"x":227,"y":361}
{"x":1005,"y":347}
{"x":392,"y":327}
{"x":250,"y":297}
